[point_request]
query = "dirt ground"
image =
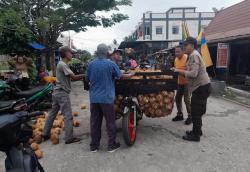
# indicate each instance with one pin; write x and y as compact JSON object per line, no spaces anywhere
{"x":225,"y":146}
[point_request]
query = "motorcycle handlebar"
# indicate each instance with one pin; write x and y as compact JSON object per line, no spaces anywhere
{"x":35,"y":114}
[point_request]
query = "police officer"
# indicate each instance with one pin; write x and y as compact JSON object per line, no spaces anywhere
{"x":199,"y":86}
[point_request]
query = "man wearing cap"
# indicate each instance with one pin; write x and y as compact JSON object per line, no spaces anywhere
{"x":60,"y":97}
{"x":101,"y":75}
{"x":199,"y":86}
{"x":116,"y":57}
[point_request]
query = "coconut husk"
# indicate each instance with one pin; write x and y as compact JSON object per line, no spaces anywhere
{"x":40,"y":120}
{"x":159,"y":98}
{"x":54,"y":138}
{"x":39,"y":154}
{"x":164,"y":93}
{"x":30,"y":141}
{"x":76,"y":123}
{"x":34,"y":146}
{"x":158,"y":113}
{"x":33,"y":127}
{"x":36,"y":132}
{"x":75,"y":114}
{"x":83,"y":106}
{"x":166,"y":101}
{"x":171,"y":95}
{"x":40,"y":128}
{"x":152,"y":95}
{"x":169,"y":106}
{"x":38,"y":138}
{"x":152,"y":100}
{"x":57,"y":130}
{"x":155,"y":106}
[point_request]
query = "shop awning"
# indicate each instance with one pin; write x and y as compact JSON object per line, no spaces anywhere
{"x":37,"y":46}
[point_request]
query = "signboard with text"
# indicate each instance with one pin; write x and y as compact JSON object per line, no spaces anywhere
{"x":222,"y":55}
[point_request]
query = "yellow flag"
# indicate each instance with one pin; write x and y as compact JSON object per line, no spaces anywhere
{"x":185,"y":31}
{"x":205,"y":51}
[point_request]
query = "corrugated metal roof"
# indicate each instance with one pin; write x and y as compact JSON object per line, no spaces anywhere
{"x":232,"y":22}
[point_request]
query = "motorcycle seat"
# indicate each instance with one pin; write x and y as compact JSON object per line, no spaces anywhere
{"x":29,"y":93}
{"x":5,"y":104}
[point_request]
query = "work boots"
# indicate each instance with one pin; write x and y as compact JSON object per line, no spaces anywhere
{"x":188,"y":120}
{"x":192,"y":137}
{"x":191,"y":131}
{"x":195,"y":134}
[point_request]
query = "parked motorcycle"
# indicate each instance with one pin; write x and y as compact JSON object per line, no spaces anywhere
{"x":36,"y":98}
{"x":14,"y":136}
{"x":3,"y":88}
{"x":12,"y":106}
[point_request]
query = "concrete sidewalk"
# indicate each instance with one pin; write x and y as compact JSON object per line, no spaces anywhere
{"x":159,"y":147}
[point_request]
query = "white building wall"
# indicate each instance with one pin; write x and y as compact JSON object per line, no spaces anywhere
{"x":176,"y":20}
{"x":207,"y":14}
{"x":191,"y":15}
{"x":156,"y":24}
{"x":177,"y":10}
{"x":175,"y":15}
{"x":158,"y":15}
{"x":172,"y":36}
{"x":189,"y":10}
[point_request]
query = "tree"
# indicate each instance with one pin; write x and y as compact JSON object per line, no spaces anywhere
{"x":85,"y":56}
{"x":14,"y":35}
{"x":47,"y":18}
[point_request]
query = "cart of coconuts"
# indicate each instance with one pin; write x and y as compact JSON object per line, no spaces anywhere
{"x":150,"y":93}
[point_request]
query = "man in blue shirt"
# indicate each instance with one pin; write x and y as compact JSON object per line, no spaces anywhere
{"x":101,"y":75}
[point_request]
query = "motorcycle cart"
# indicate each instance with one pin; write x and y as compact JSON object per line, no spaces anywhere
{"x":127,"y":92}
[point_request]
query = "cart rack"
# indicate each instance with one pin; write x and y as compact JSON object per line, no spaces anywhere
{"x":135,"y":87}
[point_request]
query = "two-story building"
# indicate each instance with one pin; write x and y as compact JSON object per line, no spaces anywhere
{"x":165,"y":29}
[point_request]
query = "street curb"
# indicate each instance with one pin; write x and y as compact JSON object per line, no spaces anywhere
{"x":232,"y":101}
{"x":239,"y":92}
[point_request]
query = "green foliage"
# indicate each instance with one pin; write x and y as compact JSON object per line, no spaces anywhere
{"x":75,"y":61}
{"x":47,"y":19}
{"x":14,"y":35}
{"x":85,"y":57}
{"x":32,"y":72}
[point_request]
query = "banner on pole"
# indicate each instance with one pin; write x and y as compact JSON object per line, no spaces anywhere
{"x":222,"y":55}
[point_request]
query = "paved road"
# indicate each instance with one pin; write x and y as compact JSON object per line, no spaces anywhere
{"x":225,"y":146}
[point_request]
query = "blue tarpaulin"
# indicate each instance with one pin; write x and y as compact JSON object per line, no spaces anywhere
{"x":37,"y":46}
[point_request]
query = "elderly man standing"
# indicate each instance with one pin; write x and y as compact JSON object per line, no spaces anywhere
{"x":101,"y":75}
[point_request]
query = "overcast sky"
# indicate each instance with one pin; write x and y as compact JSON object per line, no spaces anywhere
{"x":90,"y":39}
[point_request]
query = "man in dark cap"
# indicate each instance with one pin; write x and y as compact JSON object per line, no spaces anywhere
{"x":198,"y":85}
{"x":101,"y":75}
{"x":61,"y":98}
{"x":116,"y":57}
